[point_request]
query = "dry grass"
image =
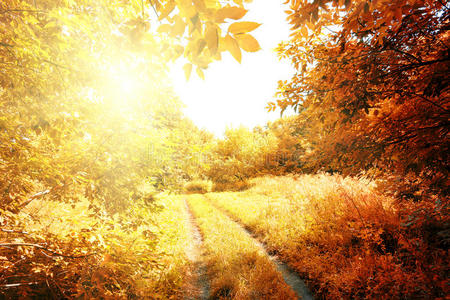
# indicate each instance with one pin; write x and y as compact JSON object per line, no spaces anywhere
{"x":240,"y":185}
{"x":173,"y":238}
{"x":338,"y":232}
{"x":238,"y":268}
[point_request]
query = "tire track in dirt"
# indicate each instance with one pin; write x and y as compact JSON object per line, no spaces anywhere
{"x":199,"y":287}
{"x":289,"y":275}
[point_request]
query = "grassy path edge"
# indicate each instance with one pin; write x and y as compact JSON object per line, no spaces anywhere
{"x":290,"y":276}
{"x":239,"y":268}
{"x":199,"y":287}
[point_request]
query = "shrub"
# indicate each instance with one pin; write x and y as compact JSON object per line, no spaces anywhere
{"x":236,"y":186}
{"x":198,"y":187}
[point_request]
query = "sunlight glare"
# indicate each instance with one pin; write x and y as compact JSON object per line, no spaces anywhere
{"x":234,"y":94}
{"x":127,"y":85}
{"x":123,"y":83}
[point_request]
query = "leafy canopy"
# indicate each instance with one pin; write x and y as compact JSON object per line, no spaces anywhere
{"x":371,"y":84}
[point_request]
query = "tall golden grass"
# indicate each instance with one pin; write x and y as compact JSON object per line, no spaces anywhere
{"x":238,"y":268}
{"x":339,"y":233}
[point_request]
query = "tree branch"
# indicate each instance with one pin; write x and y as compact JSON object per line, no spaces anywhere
{"x":406,"y":54}
{"x":154,"y":9}
{"x":11,"y":285}
{"x":20,"y":10}
{"x":37,"y":195}
{"x":7,"y":245}
{"x":443,"y":4}
{"x":13,"y":231}
{"x":6,"y":45}
{"x":57,"y":65}
{"x":433,"y":103}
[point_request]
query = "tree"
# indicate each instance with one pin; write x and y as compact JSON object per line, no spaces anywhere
{"x":207,"y":37}
{"x":372,"y":85}
{"x":291,"y":147}
{"x":242,"y":154}
{"x":52,"y":54}
{"x":84,"y":97}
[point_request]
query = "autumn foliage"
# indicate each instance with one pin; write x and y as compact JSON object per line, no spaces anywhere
{"x":342,"y":235}
{"x":92,"y":134}
{"x":371,"y":93}
{"x":372,"y":96}
{"x":372,"y":86}
{"x":87,"y":115}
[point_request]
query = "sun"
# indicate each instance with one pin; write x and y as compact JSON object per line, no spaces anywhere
{"x":127,"y":85}
{"x":122,"y":83}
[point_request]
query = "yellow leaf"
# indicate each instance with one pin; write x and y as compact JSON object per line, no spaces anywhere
{"x":217,"y":56}
{"x":179,"y":27}
{"x":200,"y":73}
{"x":201,"y":62}
{"x":199,"y":5}
{"x":185,"y":2}
{"x":304,"y":31}
{"x":164,"y":28}
{"x":178,"y":51}
{"x":232,"y":46}
{"x":248,"y":42}
{"x":201,"y":43}
{"x":187,"y":70}
{"x":230,"y":12}
{"x":187,"y":9}
{"x":212,"y":38}
{"x":168,"y":8}
{"x":50,"y":24}
{"x":242,"y":27}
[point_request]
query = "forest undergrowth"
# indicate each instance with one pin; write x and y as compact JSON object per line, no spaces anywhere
{"x":75,"y":251}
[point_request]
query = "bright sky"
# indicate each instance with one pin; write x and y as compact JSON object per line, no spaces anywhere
{"x":234,"y":94}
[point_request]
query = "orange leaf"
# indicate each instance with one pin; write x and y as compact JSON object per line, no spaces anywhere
{"x":304,"y":31}
{"x":242,"y":27}
{"x":230,"y":12}
{"x":248,"y":42}
{"x":212,"y":38}
{"x":232,"y":46}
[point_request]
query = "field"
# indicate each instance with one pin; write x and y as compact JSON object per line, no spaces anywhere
{"x":339,"y":235}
